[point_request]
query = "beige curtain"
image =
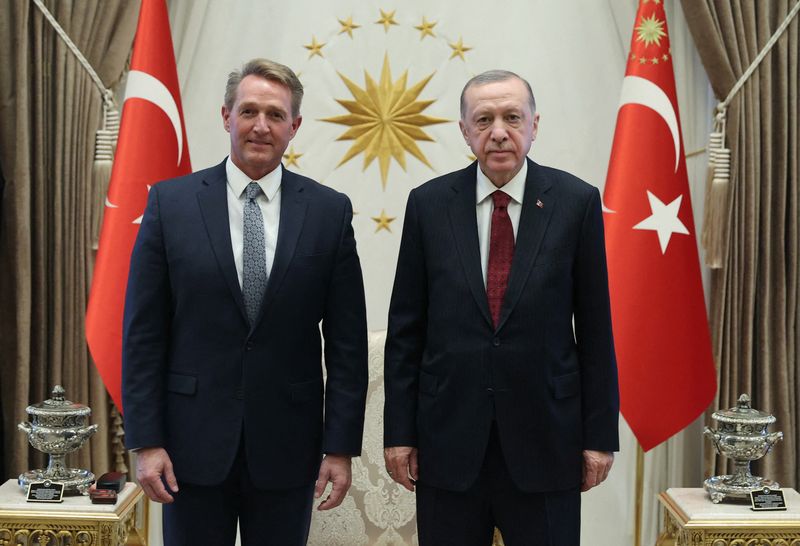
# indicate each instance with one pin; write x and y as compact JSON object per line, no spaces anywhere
{"x":50,"y":109}
{"x":754,"y":297}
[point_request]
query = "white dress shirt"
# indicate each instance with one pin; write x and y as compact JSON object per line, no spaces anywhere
{"x":269,"y":202}
{"x":515,"y":188}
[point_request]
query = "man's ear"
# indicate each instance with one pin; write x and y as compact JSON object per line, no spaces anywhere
{"x":226,"y":115}
{"x":535,"y":126}
{"x":296,"y":125}
{"x":463,"y":128}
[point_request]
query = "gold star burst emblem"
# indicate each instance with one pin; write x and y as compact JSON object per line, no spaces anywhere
{"x":650,"y":31}
{"x":385,"y":120}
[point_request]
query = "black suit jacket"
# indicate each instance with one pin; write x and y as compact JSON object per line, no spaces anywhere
{"x":197,"y":378}
{"x":449,"y":372}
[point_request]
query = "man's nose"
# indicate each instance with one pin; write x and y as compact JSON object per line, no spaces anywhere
{"x":499,"y":133}
{"x":262,"y":124}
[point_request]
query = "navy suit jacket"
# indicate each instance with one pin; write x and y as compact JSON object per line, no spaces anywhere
{"x":198,"y":378}
{"x":552,"y":391}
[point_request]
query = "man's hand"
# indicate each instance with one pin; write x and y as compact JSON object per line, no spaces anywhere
{"x":596,"y":466}
{"x":151,"y":464}
{"x":402,"y":466}
{"x":335,"y":469}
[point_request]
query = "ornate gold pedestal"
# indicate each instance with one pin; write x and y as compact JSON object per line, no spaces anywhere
{"x":691,"y":519}
{"x":74,"y":522}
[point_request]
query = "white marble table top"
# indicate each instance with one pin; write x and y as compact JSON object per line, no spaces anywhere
{"x":12,"y":499}
{"x":696,"y":506}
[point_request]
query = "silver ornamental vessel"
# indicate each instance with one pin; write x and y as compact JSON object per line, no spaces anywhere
{"x":57,"y":427}
{"x":742,"y":436}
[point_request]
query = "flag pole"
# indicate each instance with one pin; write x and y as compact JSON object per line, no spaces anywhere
{"x":639,"y":495}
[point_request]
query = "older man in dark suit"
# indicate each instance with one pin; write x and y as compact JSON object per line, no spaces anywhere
{"x":501,"y":386}
{"x":233,"y":271}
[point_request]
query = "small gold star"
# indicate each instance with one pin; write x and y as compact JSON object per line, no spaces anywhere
{"x":387,"y":20}
{"x":642,"y":60}
{"x":471,"y":158}
{"x":292,"y":157}
{"x":654,"y":60}
{"x":426,"y":28}
{"x":656,"y":1}
{"x":314,"y":47}
{"x":459,"y":49}
{"x":633,"y":56}
{"x":383,"y":221}
{"x":348,"y":26}
{"x":665,"y":57}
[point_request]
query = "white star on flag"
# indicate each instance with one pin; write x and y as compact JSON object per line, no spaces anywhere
{"x":664,"y":220}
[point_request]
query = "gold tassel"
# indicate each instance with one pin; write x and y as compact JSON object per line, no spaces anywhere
{"x":715,"y":214}
{"x":118,"y":441}
{"x":104,"y":146}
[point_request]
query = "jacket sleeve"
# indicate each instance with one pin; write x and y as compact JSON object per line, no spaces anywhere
{"x":145,"y":333}
{"x":344,"y":327}
{"x":406,"y":336}
{"x":593,"y":333}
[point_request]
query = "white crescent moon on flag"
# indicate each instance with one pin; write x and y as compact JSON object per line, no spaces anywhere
{"x":142,"y":85}
{"x":636,"y":90}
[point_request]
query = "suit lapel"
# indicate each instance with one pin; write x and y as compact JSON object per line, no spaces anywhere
{"x":464,"y":222}
{"x":533,"y":223}
{"x":213,"y":201}
{"x":293,"y":212}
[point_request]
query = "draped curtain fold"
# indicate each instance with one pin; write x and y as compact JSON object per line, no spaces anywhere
{"x":50,"y":210}
{"x":754,"y":295}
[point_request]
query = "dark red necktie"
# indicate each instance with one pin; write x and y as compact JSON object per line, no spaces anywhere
{"x":501,"y":252}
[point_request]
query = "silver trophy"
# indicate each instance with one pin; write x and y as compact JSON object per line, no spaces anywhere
{"x":742,"y":436}
{"x":57,"y":427}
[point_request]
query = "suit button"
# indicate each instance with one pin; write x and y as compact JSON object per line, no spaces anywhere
{"x":490,"y":390}
{"x":249,"y":346}
{"x":238,"y":394}
{"x":496,"y":342}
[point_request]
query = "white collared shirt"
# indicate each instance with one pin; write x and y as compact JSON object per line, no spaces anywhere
{"x":515,"y":188}
{"x":269,"y":202}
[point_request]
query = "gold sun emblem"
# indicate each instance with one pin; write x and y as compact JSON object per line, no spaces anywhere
{"x":650,"y":31}
{"x":385,"y":120}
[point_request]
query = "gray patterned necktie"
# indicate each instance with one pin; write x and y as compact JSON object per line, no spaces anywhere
{"x":254,"y":263}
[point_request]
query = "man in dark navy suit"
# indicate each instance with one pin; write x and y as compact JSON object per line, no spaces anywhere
{"x":234,"y":269}
{"x":501,"y":386}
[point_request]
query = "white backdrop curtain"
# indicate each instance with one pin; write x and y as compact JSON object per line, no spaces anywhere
{"x":573,"y":53}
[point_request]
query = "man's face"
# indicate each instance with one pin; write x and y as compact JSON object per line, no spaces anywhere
{"x":261,"y":125}
{"x":499,"y":127}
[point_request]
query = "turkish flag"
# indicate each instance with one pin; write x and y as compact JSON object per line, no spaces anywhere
{"x":152,"y":147}
{"x":666,"y":371}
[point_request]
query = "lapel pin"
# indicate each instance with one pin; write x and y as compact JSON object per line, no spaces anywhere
{"x":539,"y":203}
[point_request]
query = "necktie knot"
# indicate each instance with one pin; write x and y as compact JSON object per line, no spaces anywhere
{"x":501,"y":199}
{"x":252,"y":190}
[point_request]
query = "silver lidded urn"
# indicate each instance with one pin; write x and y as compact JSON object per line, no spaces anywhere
{"x":742,"y":436}
{"x":57,"y":427}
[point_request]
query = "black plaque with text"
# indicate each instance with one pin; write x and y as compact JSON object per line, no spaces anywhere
{"x":767,"y":499}
{"x":45,"y":491}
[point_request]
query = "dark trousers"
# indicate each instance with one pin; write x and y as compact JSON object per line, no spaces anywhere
{"x":468,"y":518}
{"x":209,"y":514}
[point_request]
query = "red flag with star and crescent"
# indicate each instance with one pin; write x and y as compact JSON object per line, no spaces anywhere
{"x":152,"y":147}
{"x":666,"y":370}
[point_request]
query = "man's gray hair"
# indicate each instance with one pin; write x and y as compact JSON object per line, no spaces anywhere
{"x":491,"y":76}
{"x":269,"y":70}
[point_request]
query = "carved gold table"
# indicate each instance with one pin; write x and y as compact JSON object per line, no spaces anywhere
{"x":691,"y":519}
{"x":74,"y":522}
